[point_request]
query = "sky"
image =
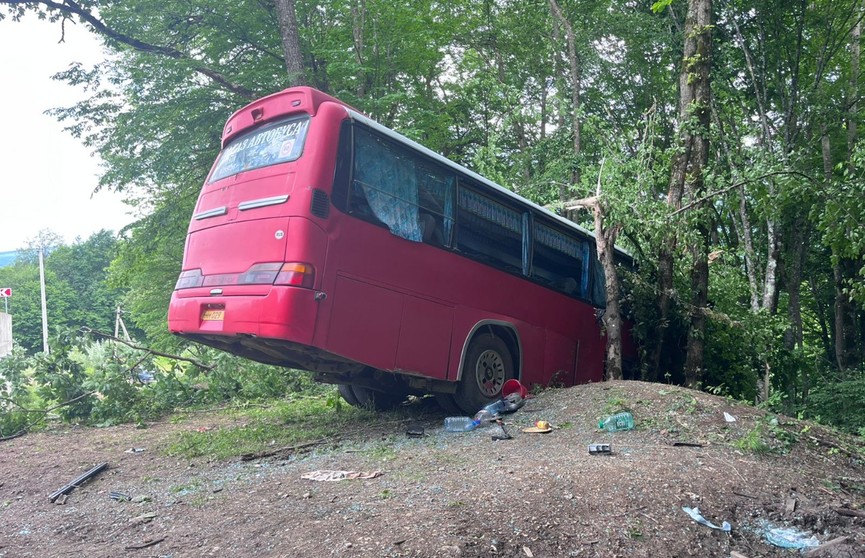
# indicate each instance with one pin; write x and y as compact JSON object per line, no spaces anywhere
{"x":48,"y":177}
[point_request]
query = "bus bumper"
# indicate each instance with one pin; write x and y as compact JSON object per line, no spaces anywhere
{"x":285,"y":313}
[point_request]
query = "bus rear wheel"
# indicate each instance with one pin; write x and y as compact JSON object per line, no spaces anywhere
{"x":377,"y":400}
{"x":488,"y":365}
{"x":448,"y":404}
{"x":348,"y":395}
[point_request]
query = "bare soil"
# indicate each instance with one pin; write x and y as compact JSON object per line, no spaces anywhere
{"x":447,"y":494}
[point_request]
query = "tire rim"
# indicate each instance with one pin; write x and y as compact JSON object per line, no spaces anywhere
{"x":490,"y":372}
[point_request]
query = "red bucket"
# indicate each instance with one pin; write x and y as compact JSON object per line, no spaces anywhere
{"x":514,"y":386}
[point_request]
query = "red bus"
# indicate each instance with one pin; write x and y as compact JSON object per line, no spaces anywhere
{"x":324,"y":241}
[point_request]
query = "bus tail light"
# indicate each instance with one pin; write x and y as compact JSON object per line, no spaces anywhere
{"x":260,"y":274}
{"x":189,"y":279}
{"x":297,"y":274}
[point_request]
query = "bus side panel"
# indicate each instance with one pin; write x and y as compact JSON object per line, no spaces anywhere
{"x":364,"y":322}
{"x":560,"y":359}
{"x":592,"y":347}
{"x":424,"y":337}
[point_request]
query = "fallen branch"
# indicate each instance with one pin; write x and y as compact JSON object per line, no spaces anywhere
{"x":78,"y":481}
{"x":136,"y":346}
{"x":145,"y":544}
{"x":13,"y":436}
{"x":832,"y":445}
{"x":847,"y":512}
{"x":48,"y":410}
{"x":745,"y":495}
{"x":286,"y":449}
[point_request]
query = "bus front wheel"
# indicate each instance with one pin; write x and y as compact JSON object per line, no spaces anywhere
{"x":487,"y":366}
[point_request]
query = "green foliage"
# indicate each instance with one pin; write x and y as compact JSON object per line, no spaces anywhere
{"x":17,"y":394}
{"x":98,"y":382}
{"x":76,"y":290}
{"x":752,"y":441}
{"x":615,"y":403}
{"x":61,"y":378}
{"x":839,"y":403}
{"x":767,"y":436}
{"x":841,"y":220}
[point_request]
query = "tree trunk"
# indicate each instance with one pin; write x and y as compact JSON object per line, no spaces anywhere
{"x":605,"y":241}
{"x":773,"y":254}
{"x":358,"y":17}
{"x":686,"y":174}
{"x":822,"y":320}
{"x":699,"y":300}
{"x":291,"y":42}
{"x":576,"y":86}
{"x":750,"y":254}
{"x":795,"y":261}
{"x":845,"y":320}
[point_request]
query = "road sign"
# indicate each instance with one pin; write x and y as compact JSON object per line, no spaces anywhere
{"x":5,"y":292}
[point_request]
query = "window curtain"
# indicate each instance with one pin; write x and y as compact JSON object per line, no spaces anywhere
{"x":390,"y":186}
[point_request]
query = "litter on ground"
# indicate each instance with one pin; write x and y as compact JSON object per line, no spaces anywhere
{"x":339,"y":475}
{"x":698,"y":517}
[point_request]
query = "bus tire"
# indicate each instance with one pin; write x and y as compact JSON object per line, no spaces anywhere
{"x":487,"y":366}
{"x":377,"y":400}
{"x":448,"y":404}
{"x":347,"y":394}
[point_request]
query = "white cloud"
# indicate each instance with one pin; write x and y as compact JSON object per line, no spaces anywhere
{"x":47,"y":177}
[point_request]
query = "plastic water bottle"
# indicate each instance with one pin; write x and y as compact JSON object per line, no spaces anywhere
{"x":460,"y":424}
{"x":617,"y":422}
{"x":493,"y":410}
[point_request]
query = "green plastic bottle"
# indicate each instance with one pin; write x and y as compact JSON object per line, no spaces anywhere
{"x":617,"y":422}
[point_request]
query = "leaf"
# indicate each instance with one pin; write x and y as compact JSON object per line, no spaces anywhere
{"x":661,"y":5}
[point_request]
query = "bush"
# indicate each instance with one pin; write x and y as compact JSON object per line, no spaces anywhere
{"x":841,"y":404}
{"x":103,"y":383}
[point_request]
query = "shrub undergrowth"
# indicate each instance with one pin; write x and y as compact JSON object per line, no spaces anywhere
{"x":100,"y":383}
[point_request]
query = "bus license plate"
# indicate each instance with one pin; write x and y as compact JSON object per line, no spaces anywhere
{"x":213,"y":315}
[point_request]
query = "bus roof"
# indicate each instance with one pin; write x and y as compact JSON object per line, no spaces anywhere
{"x":457,"y":167}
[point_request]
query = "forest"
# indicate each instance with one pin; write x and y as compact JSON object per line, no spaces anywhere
{"x":716,"y":141}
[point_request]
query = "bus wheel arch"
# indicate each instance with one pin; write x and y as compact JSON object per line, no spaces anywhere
{"x":490,"y":357}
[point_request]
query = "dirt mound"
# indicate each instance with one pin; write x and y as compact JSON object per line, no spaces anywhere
{"x":446,"y":494}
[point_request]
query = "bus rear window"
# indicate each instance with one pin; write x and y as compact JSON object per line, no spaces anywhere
{"x":274,"y":143}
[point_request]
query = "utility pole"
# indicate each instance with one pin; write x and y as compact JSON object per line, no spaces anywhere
{"x":119,"y":324}
{"x":44,"y":305}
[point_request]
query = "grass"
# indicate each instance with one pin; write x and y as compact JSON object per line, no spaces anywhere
{"x":768,"y":435}
{"x":381,"y":452}
{"x":282,"y":423}
{"x":753,"y":442}
{"x":616,"y":403}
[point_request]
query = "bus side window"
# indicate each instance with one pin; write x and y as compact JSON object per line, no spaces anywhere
{"x":435,"y":198}
{"x":489,"y":231}
{"x":559,"y":261}
{"x":342,"y":172}
{"x":398,"y":189}
{"x":385,"y":179}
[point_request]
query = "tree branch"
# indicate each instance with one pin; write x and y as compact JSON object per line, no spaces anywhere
{"x":71,"y":7}
{"x":591,"y":202}
{"x":711,"y":195}
{"x":196,"y":362}
{"x":49,"y":409}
